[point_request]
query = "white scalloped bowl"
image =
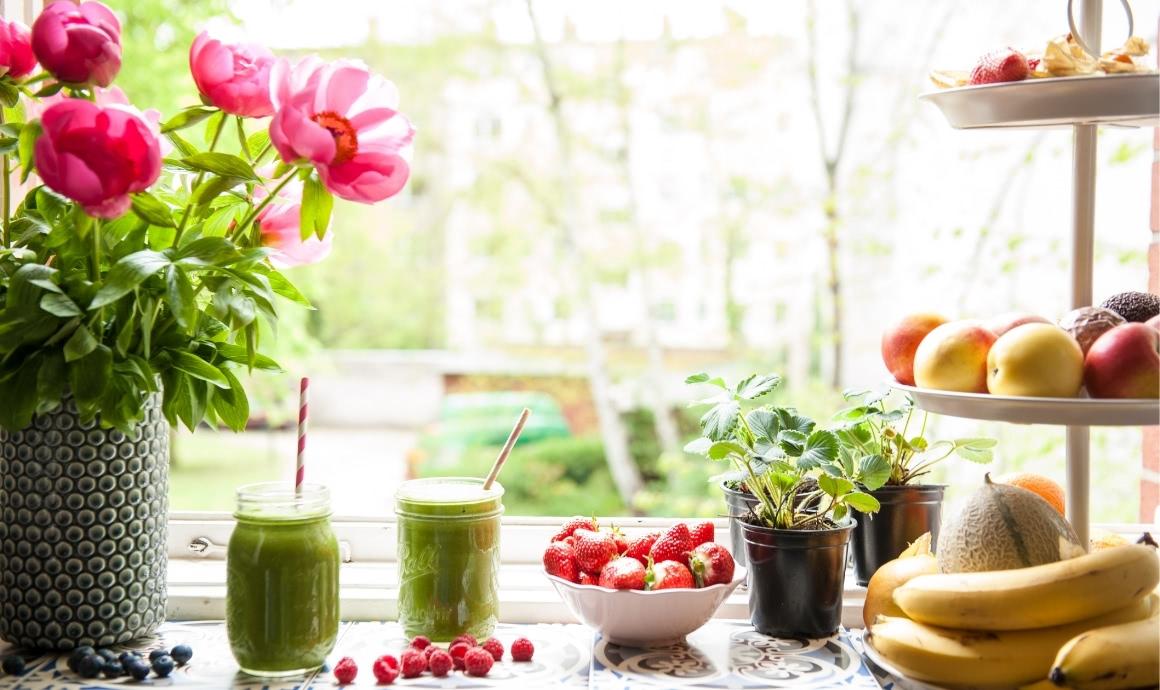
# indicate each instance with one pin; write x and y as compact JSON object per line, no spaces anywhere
{"x":642,"y":619}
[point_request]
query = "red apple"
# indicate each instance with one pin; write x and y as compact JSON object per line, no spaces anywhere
{"x":901,"y":339}
{"x":953,"y":357}
{"x":1005,"y":322}
{"x":1124,"y":363}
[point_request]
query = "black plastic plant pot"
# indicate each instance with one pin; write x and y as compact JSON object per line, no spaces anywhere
{"x":796,"y":579}
{"x":906,"y":513}
{"x":739,"y":504}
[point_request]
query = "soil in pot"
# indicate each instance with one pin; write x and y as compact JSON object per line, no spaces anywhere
{"x":906,"y":512}
{"x":796,"y":579}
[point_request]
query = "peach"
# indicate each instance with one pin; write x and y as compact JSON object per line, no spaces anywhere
{"x":953,"y":357}
{"x":1004,"y":322}
{"x":1035,"y":359}
{"x":901,"y":339}
{"x":1124,"y":363}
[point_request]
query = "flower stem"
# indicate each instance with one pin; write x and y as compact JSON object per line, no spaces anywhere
{"x":252,"y":216}
{"x":95,"y":236}
{"x":5,"y":238}
{"x":217,"y":133}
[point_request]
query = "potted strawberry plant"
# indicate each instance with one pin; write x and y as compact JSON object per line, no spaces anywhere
{"x":883,"y":452}
{"x":797,"y":533}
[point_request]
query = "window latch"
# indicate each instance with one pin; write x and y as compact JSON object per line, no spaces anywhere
{"x":206,"y":548}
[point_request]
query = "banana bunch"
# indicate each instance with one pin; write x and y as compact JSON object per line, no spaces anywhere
{"x":1087,"y":622}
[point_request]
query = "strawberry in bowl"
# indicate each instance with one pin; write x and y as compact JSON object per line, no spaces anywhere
{"x":641,"y":590}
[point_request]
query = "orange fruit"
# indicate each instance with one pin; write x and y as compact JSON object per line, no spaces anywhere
{"x":1045,"y":487}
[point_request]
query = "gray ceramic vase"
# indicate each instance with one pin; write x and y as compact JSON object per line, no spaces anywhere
{"x":83,"y":513}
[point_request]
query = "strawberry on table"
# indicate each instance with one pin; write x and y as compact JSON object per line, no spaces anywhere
{"x":674,"y":545}
{"x":559,"y":560}
{"x":668,"y":575}
{"x":622,"y":573}
{"x":1005,"y":64}
{"x":574,"y":524}
{"x":639,"y":548}
{"x":701,"y":533}
{"x":593,"y":549}
{"x":711,"y":564}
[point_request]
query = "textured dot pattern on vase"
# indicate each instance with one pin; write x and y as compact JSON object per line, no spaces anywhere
{"x":83,"y":514}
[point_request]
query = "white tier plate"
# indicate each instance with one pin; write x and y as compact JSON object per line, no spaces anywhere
{"x":1122,"y":99}
{"x":1018,"y":410}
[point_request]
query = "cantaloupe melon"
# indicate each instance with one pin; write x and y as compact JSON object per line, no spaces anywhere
{"x":1003,"y":527}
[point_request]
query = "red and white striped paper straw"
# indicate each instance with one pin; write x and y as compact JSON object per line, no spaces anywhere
{"x":303,"y":410}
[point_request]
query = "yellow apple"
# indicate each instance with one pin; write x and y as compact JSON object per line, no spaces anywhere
{"x":953,"y":357}
{"x":1037,"y":360}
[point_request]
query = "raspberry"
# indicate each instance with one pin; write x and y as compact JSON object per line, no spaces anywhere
{"x":522,"y":649}
{"x":386,"y":669}
{"x":413,"y":662}
{"x":457,"y":652}
{"x":421,"y":642}
{"x":440,"y":663}
{"x":477,"y":661}
{"x":493,"y":647}
{"x":428,"y":651}
{"x":345,"y":670}
{"x":469,"y":639}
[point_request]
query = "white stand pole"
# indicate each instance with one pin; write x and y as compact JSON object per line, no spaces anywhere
{"x":1082,"y":249}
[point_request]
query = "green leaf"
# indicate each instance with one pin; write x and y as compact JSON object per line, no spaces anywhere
{"x":183,"y":147}
{"x":976,"y":449}
{"x":862,"y":502}
{"x":719,"y":421}
{"x":187,"y":118}
{"x":60,"y":305}
{"x":212,"y":188}
{"x":152,"y":210}
{"x":764,"y":424}
{"x":821,"y":448}
{"x":179,"y":292}
{"x":223,"y":164}
{"x":790,"y":419}
{"x":195,"y":366}
{"x":19,"y":394}
{"x":9,"y":94}
{"x":698,"y":446}
{"x":208,"y":250}
{"x":756,"y":386}
{"x":257,"y":141}
{"x":282,"y":286}
{"x":128,"y":330}
{"x":722,"y":449}
{"x":704,"y":378}
{"x":873,"y":471}
{"x":25,"y":148}
{"x":792,"y":441}
{"x":88,"y":378}
{"x":127,"y":274}
{"x":834,"y":486}
{"x":314,"y":214}
{"x":231,"y":404}
{"x":50,"y":382}
{"x":239,"y":354}
{"x":839,"y":512}
{"x":50,"y":89}
{"x":80,"y":344}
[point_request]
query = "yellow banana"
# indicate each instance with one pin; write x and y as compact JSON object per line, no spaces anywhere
{"x":983,"y":658}
{"x":1110,"y":658}
{"x":1036,"y":597}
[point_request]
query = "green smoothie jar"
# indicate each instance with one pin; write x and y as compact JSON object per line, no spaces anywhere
{"x":282,"y":580}
{"x":448,"y":557}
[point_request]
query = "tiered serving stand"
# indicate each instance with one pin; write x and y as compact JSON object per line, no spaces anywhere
{"x":1082,"y":103}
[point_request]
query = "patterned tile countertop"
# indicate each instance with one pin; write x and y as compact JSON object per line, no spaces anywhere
{"x":721,"y":655}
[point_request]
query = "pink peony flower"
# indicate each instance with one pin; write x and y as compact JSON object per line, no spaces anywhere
{"x":279,"y":224}
{"x":111,"y":96}
{"x":97,"y":155}
{"x":233,"y":77}
{"x":16,"y":58}
{"x":78,"y":43}
{"x":343,"y":119}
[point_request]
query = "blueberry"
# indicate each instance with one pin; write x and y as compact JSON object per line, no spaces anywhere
{"x":74,"y":659}
{"x":138,"y":669}
{"x":182,"y":653}
{"x":90,"y":666}
{"x":107,"y":654}
{"x":126,"y":657}
{"x":156,"y":653}
{"x":13,"y":665}
{"x":163,"y":666}
{"x":113,"y":669}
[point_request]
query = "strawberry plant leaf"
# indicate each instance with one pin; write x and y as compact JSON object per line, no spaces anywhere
{"x":719,"y":421}
{"x":756,"y":386}
{"x":873,"y":471}
{"x":821,"y":448}
{"x":862,"y":502}
{"x":764,"y":423}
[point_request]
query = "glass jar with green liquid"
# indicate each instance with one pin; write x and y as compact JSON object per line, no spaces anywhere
{"x":282,"y":580}
{"x":448,"y":557}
